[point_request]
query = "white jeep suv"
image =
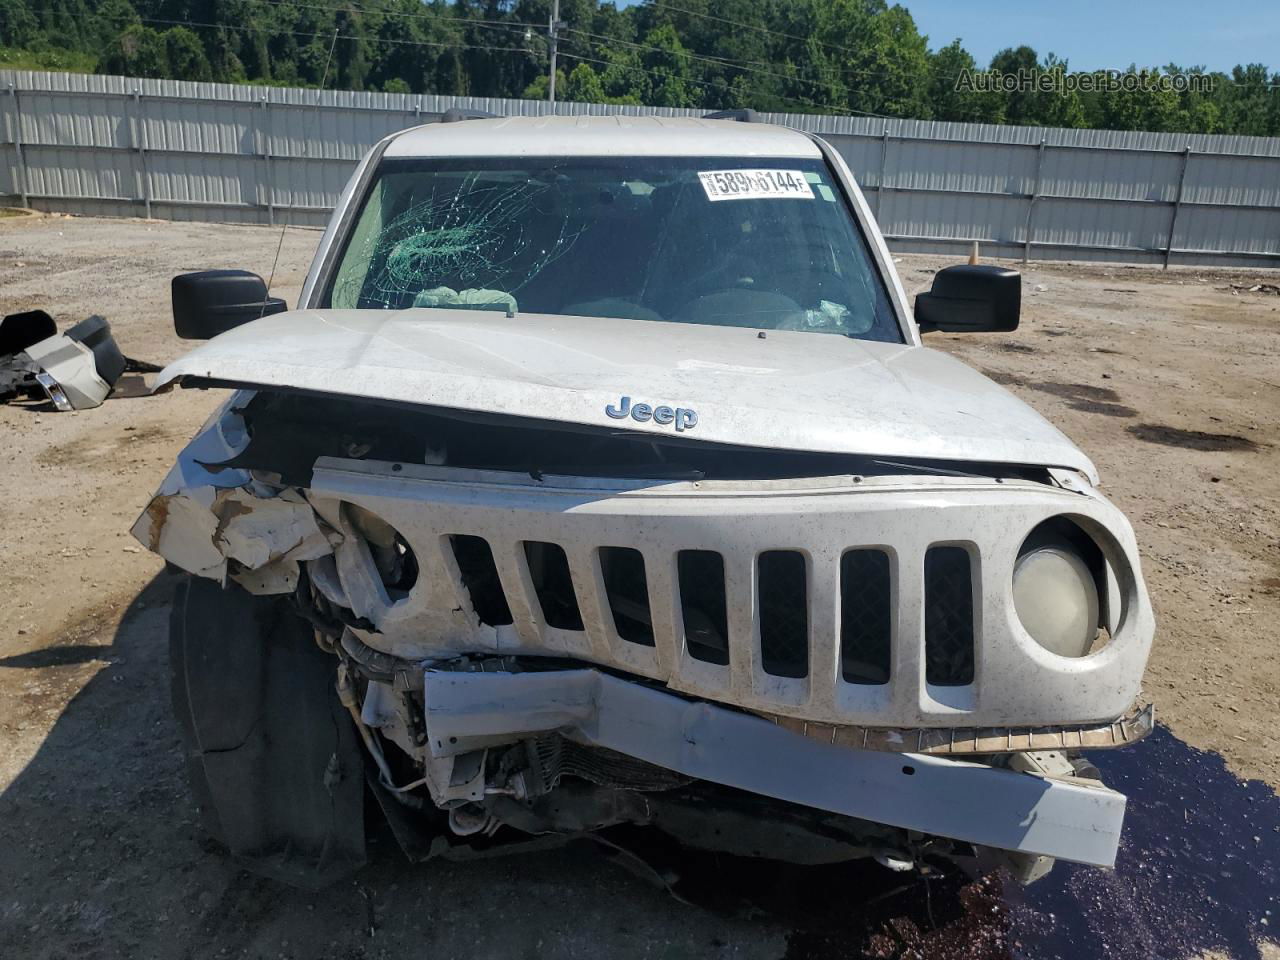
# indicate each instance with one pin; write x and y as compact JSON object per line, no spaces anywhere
{"x":601,"y":477}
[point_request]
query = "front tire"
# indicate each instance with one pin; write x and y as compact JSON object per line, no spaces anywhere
{"x":274,"y":764}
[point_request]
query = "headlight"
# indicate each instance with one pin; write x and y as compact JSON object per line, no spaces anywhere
{"x":1056,"y":598}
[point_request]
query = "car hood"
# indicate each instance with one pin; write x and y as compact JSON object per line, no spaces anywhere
{"x":788,"y":390}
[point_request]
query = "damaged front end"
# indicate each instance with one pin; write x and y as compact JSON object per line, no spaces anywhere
{"x":543,"y":633}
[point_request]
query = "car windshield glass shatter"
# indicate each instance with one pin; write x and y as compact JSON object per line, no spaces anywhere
{"x":764,"y":243}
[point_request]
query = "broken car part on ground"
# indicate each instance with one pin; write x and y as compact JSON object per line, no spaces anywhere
{"x":73,"y":370}
{"x":611,"y":484}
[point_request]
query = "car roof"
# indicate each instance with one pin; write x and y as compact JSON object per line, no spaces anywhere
{"x":560,"y":136}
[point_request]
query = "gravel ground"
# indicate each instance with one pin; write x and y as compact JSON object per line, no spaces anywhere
{"x":1168,"y":380}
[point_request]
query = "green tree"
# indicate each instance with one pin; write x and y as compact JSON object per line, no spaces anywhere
{"x":18,"y":25}
{"x":1251,"y":107}
{"x":538,"y":88}
{"x":896,"y":61}
{"x":185,"y":55}
{"x":138,"y":51}
{"x":584,"y":86}
{"x":670,"y":82}
{"x":860,"y":56}
{"x":951,"y":99}
{"x":1017,"y":106}
{"x":1146,"y":106}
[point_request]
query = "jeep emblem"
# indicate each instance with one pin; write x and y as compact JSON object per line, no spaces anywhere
{"x":682,"y":417}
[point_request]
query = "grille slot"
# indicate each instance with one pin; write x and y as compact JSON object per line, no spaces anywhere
{"x":782,"y":596}
{"x":703,"y":609}
{"x":553,"y":584}
{"x":480,"y":578}
{"x":866,"y":616}
{"x":627,"y":589}
{"x":948,"y":617}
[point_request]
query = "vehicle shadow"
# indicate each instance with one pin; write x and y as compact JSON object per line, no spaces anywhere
{"x":101,"y":855}
{"x":101,"y":852}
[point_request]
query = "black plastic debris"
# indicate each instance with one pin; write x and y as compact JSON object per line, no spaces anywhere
{"x":75,"y":370}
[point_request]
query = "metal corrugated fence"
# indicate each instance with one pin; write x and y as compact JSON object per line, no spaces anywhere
{"x":118,"y":146}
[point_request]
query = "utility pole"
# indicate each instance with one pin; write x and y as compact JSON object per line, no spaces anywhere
{"x":553,"y":34}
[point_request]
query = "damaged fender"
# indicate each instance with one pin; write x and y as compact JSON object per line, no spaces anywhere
{"x":219,"y":523}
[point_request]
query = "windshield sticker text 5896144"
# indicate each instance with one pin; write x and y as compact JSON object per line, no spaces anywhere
{"x":754,"y":184}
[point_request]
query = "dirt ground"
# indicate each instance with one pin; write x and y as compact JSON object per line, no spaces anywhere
{"x":1170,"y":381}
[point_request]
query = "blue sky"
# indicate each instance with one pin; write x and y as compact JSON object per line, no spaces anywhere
{"x":1098,"y":34}
{"x":1094,"y":34}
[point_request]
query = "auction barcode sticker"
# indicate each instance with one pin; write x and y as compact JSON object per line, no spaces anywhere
{"x":754,"y":184}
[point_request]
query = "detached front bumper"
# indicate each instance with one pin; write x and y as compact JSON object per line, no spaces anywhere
{"x":1069,"y":819}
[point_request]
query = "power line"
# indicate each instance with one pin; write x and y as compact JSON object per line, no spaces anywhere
{"x":733,"y":65}
{"x":663,"y":5}
{"x":724,"y":62}
{"x":701,"y":83}
{"x":524,"y":25}
{"x":340,"y":36}
{"x":484,"y":47}
{"x":434,"y":18}
{"x":497,"y":49}
{"x":623,"y":66}
{"x":844,"y":71}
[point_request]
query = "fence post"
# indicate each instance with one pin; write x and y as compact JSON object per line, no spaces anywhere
{"x":21,"y":157}
{"x":1177,"y":205}
{"x":264,"y":144}
{"x":1029,"y":228}
{"x":884,"y":160}
{"x":138,"y":144}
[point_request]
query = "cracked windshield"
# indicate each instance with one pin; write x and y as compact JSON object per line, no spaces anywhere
{"x":769,"y":245}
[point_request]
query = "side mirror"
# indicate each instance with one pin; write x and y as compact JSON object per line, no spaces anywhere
{"x":971,"y":298}
{"x":211,"y":302}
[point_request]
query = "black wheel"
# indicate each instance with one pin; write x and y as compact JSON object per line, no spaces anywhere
{"x":274,"y":762}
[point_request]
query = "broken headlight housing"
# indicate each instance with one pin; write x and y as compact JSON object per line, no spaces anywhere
{"x":1055,"y":595}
